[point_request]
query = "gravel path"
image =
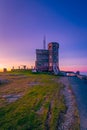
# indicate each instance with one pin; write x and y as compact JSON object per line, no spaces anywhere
{"x":69,"y":116}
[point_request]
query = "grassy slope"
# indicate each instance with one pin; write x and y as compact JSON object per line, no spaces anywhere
{"x":39,"y":107}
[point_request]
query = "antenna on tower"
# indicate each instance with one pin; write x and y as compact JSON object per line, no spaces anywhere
{"x":44,"y":43}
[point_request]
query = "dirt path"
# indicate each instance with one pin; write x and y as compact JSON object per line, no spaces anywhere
{"x":70,"y":118}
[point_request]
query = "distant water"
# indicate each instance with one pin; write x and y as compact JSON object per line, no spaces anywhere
{"x":79,"y":88}
{"x":83,"y":73}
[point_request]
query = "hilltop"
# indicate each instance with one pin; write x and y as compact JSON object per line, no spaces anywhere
{"x":31,"y":101}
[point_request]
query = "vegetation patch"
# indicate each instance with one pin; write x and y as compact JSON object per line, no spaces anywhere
{"x":38,"y":108}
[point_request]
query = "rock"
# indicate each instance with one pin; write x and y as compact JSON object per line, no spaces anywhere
{"x":11,"y":97}
{"x":4,"y":81}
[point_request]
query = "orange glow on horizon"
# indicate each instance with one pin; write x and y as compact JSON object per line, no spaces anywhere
{"x":16,"y":65}
{"x":64,"y":68}
{"x":74,"y":68}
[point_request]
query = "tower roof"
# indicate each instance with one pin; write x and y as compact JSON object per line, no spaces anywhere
{"x":53,"y":43}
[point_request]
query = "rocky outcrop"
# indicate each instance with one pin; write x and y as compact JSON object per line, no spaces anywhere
{"x":4,"y":81}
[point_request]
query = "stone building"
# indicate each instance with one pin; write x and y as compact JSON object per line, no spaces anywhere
{"x":42,"y":56}
{"x":48,"y":60}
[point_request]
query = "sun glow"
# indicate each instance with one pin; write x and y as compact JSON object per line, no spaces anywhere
{"x":16,"y":65}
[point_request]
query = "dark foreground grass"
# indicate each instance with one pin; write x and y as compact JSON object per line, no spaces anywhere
{"x":38,"y":109}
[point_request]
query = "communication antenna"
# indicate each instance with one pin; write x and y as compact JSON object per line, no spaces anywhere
{"x":44,"y":43}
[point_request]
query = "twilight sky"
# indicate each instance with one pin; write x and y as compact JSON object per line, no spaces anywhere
{"x":23,"y":24}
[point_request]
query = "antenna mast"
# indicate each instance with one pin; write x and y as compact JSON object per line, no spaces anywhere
{"x":44,"y":43}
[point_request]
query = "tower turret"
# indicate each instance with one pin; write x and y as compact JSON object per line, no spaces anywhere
{"x":53,"y":49}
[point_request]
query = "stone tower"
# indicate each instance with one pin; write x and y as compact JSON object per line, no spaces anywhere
{"x":53,"y":49}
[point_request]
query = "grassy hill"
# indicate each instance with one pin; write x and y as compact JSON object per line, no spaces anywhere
{"x":38,"y":106}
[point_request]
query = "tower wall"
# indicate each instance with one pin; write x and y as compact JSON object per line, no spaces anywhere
{"x":42,"y":59}
{"x":53,"y":49}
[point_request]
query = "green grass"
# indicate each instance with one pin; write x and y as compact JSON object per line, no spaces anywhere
{"x":30,"y":111}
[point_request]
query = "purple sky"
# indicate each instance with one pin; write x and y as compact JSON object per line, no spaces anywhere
{"x":23,"y":24}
